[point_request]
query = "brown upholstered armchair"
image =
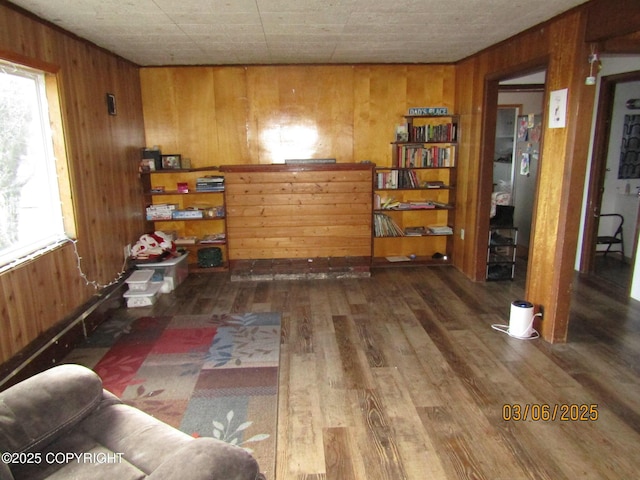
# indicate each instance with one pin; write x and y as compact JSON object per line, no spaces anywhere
{"x":62,"y":424}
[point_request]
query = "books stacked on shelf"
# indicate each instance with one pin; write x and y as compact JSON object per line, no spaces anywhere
{"x":440,"y":230}
{"x":210,"y":183}
{"x":214,"y":238}
{"x":434,"y":184}
{"x":415,"y":231}
{"x":161,"y":211}
{"x":416,"y":156}
{"x":446,"y":132}
{"x":380,"y":203}
{"x":188,"y":240}
{"x":395,"y":179}
{"x":391,"y":203}
{"x":385,"y":226}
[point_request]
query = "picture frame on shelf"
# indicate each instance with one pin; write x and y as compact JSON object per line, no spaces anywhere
{"x":171,"y":162}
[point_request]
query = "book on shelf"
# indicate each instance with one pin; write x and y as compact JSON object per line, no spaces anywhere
{"x":385,"y":226}
{"x":160,"y":211}
{"x":415,"y":231}
{"x":397,"y":179}
{"x":421,"y":156}
{"x":213,"y":238}
{"x":440,"y":229}
{"x":188,"y":240}
{"x":434,"y":184}
{"x":210,"y":183}
{"x":446,"y":132}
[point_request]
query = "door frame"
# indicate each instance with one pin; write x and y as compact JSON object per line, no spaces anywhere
{"x":601,"y":140}
{"x":487,"y":147}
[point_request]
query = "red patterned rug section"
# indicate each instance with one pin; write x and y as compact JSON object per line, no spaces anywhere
{"x":206,"y":375}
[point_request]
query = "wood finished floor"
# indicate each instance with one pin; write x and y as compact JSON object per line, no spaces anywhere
{"x":400,"y":376}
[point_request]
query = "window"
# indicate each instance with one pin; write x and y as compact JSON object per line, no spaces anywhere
{"x":31,"y":217}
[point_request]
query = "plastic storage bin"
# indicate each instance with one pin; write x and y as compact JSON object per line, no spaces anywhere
{"x":173,"y":271}
{"x":139,"y":280}
{"x":143,"y":298}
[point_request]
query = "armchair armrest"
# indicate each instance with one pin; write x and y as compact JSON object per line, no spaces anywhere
{"x":36,"y":411}
{"x":206,"y":458}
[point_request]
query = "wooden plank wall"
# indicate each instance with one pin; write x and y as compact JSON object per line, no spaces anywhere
{"x":284,"y":211}
{"x":103,"y":155}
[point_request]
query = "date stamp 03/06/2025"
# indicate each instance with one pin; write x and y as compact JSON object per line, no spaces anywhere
{"x":545,"y":412}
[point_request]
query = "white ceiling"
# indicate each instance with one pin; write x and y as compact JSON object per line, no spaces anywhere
{"x":212,"y":32}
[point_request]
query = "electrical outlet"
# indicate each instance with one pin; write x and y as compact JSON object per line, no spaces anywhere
{"x":462,"y":233}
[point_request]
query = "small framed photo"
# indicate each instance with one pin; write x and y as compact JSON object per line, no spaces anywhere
{"x":171,"y":162}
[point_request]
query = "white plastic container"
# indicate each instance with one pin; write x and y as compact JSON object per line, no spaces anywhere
{"x":139,"y":280}
{"x":173,"y":271}
{"x":143,"y":298}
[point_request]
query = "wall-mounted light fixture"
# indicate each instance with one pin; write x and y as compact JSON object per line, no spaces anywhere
{"x":594,"y":59}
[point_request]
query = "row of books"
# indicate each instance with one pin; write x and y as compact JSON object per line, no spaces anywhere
{"x":385,"y":226}
{"x":395,"y":179}
{"x":380,"y":203}
{"x":416,"y":156}
{"x":446,"y":132}
{"x":210,"y":183}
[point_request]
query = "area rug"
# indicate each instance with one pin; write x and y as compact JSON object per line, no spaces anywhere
{"x":210,"y":376}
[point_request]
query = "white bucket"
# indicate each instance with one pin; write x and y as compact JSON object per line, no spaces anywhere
{"x":520,"y":321}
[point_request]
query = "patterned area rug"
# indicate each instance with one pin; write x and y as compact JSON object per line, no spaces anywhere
{"x":207,"y":376}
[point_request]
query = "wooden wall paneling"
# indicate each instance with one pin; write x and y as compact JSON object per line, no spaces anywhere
{"x":159,"y":108}
{"x":231,"y":114}
{"x":280,"y":212}
{"x":264,"y":101}
{"x":103,"y":155}
{"x":197,"y":128}
{"x":256,"y":111}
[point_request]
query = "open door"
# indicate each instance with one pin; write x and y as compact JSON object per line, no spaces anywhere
{"x":607,"y":192}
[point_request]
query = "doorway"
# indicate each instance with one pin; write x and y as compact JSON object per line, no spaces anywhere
{"x":612,"y":188}
{"x":511,"y":159}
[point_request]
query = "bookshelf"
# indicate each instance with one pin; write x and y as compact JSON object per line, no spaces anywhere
{"x":414,"y":197}
{"x":200,"y":221}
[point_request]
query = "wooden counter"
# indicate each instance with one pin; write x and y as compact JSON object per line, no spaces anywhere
{"x":298,"y":211}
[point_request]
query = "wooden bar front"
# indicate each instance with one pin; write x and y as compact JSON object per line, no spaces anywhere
{"x":298,"y":211}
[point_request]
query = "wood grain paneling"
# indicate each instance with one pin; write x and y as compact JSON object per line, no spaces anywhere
{"x":298,"y":212}
{"x":103,"y":155}
{"x":265,"y":114}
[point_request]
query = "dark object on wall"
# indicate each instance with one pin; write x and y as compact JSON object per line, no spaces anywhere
{"x":630,"y":149}
{"x":111,"y":104}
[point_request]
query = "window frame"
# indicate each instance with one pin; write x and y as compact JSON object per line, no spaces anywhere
{"x":59,"y":162}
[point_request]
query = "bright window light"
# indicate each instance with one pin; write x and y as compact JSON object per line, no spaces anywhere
{"x":30,"y":207}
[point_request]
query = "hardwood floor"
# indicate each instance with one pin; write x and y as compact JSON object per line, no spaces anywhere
{"x":400,"y":376}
